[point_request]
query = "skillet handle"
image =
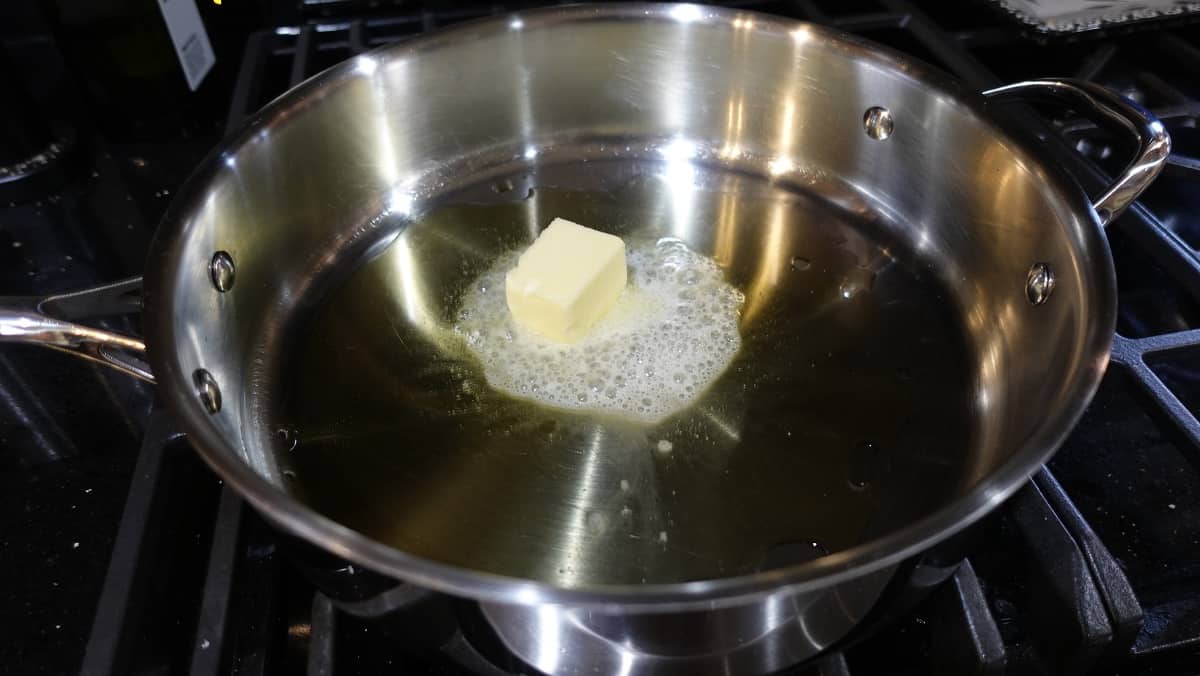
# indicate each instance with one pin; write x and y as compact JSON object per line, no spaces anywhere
{"x":50,"y":322}
{"x":1106,"y":108}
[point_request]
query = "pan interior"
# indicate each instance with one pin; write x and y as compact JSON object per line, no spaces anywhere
{"x":844,"y":416}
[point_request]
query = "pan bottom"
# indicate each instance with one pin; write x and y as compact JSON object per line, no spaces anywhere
{"x":844,"y":416}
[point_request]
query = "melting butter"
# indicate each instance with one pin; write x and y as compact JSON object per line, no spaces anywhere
{"x":671,"y":333}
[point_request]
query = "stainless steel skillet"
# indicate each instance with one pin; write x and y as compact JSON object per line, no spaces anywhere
{"x":343,"y":168}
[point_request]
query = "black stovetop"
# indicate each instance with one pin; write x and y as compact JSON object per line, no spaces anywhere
{"x":126,"y":555}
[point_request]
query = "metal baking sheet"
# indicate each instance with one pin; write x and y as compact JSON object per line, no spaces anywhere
{"x":1077,"y":16}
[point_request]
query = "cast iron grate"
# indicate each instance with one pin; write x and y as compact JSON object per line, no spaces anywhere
{"x":1052,"y":587}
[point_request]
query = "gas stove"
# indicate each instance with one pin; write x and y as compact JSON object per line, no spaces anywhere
{"x":128,"y":556}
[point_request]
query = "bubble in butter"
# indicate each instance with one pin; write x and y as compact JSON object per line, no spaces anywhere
{"x":671,"y":334}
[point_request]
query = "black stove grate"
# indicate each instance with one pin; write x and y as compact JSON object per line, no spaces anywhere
{"x":1091,"y":567}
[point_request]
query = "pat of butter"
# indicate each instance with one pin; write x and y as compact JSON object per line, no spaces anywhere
{"x":566,"y":281}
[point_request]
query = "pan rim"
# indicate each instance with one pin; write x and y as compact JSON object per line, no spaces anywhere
{"x":296,"y":518}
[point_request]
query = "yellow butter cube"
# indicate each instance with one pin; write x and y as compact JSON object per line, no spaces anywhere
{"x":568,"y":279}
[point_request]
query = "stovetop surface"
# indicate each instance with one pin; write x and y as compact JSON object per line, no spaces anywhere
{"x":126,"y":555}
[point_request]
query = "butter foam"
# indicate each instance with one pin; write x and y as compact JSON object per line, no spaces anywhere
{"x":673,"y":331}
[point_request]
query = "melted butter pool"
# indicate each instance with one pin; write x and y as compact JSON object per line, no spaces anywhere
{"x":844,"y":413}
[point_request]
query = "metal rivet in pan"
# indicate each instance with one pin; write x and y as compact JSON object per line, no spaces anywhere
{"x":207,"y":390}
{"x":878,"y":123}
{"x":221,"y":270}
{"x":1039,"y":284}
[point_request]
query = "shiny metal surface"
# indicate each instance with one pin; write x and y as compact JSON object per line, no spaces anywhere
{"x":50,"y":321}
{"x":222,"y":270}
{"x":207,"y":390}
{"x":322,"y":177}
{"x":1039,"y":284}
{"x":878,"y":123}
{"x":331,"y":173}
{"x":1115,"y":111}
{"x":758,"y":638}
